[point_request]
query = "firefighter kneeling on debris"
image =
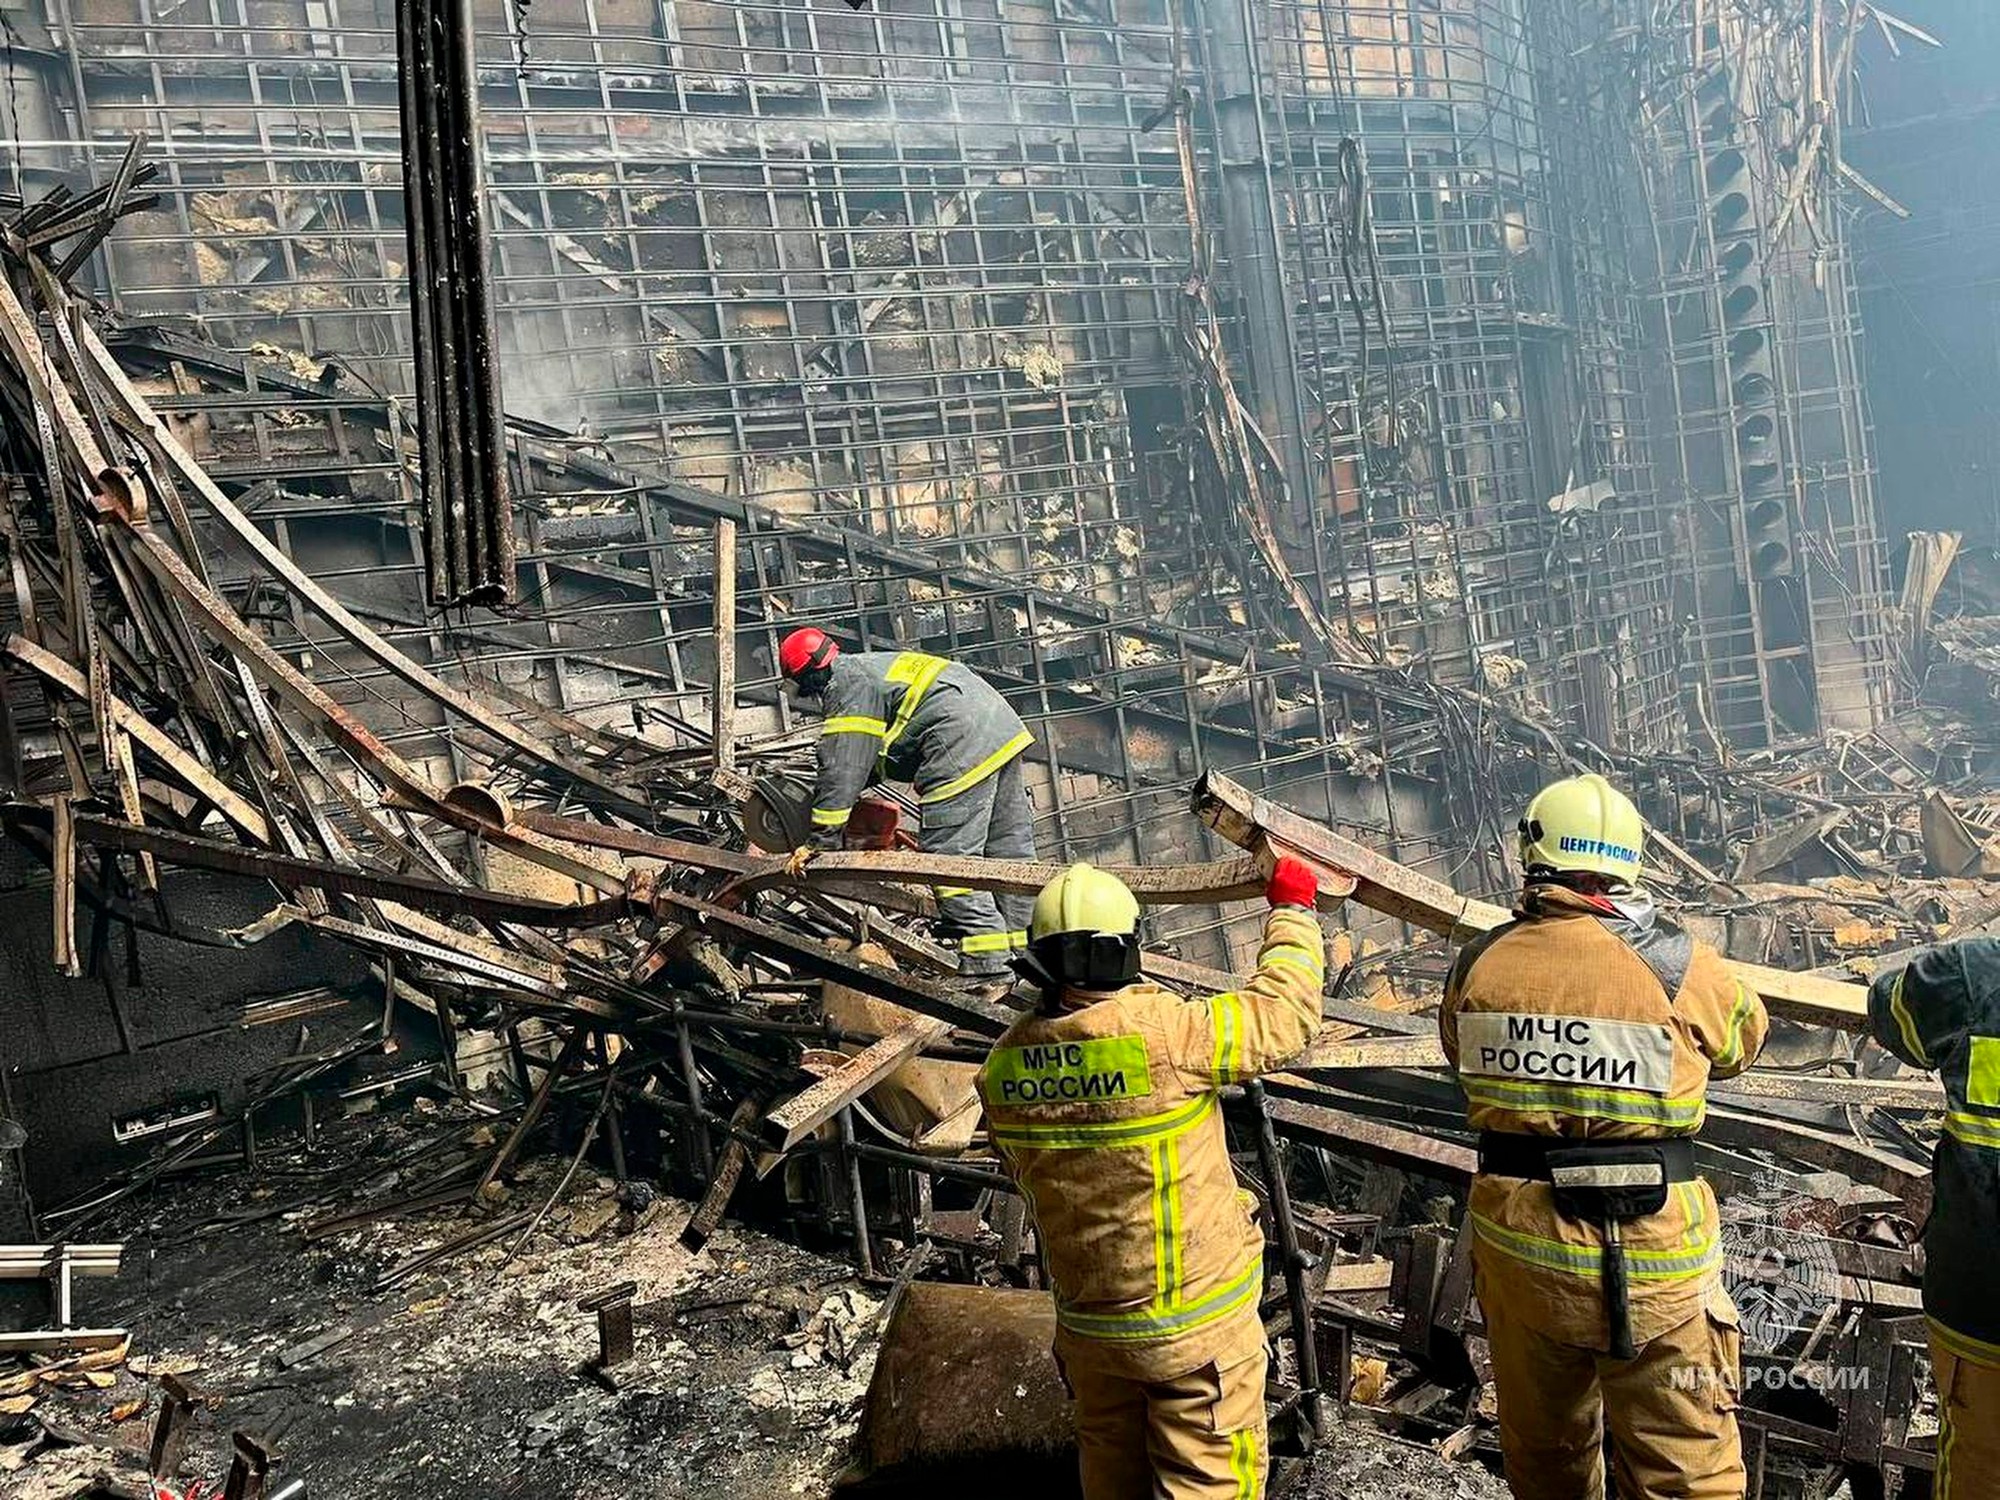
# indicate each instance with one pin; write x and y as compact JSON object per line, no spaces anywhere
{"x":1103,"y":1103}
{"x":1584,"y":1033}
{"x":906,"y":716}
{"x":1942,"y":1012}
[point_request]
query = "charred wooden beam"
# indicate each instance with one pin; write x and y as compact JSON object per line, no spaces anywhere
{"x":1249,"y":821}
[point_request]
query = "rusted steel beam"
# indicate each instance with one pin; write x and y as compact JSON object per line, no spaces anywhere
{"x":1153,"y":885}
{"x":806,"y":1111}
{"x":729,"y":1169}
{"x":252,"y":540}
{"x":1244,"y":818}
{"x":1844,"y":1154}
{"x":722,"y":718}
{"x":302,"y":693}
{"x":927,"y":997}
{"x":538,"y":1102}
{"x":1811,"y":1088}
{"x":191,"y":773}
{"x":1349,"y":1134}
{"x":1367,"y":1053}
{"x":347,"y":880}
{"x":62,"y":864}
{"x":32,"y":362}
{"x":548,"y":969}
{"x":853,"y":872}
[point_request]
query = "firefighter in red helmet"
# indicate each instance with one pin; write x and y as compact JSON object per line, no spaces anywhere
{"x":908,"y":716}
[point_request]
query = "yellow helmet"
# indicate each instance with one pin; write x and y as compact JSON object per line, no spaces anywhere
{"x":1583,"y":823}
{"x":1084,"y":930}
{"x":1084,"y":899}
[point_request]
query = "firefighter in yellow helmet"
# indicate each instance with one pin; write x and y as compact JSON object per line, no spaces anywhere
{"x":1584,"y":1034}
{"x":1103,"y":1102}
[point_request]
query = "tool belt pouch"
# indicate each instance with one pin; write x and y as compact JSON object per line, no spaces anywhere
{"x":1609,"y":1184}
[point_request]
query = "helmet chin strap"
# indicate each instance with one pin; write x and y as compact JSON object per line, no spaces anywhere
{"x":1048,"y":988}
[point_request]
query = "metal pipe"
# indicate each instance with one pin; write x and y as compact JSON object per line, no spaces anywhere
{"x":1296,"y":1262}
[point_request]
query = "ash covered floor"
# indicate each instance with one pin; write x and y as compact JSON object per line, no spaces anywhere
{"x":751,"y":1363}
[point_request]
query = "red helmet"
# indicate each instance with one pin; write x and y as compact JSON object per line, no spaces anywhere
{"x":806,"y":650}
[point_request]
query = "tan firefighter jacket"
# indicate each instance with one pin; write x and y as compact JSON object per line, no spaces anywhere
{"x":1590,"y":1019}
{"x":1107,"y":1115}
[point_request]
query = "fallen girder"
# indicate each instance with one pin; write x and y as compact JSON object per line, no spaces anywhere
{"x":1246,"y":819}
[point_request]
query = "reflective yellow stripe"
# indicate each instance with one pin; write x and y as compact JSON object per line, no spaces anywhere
{"x":1243,"y":1463}
{"x":1083,"y":1136}
{"x":913,"y":667}
{"x":979,"y":772}
{"x":1227,"y":1013}
{"x":1941,"y":1488}
{"x":831,"y":817}
{"x":1697,"y":1215}
{"x":946,"y":892}
{"x":917,"y":672}
{"x":1175,"y":1245}
{"x":986,"y":942}
{"x":1586,"y":1260}
{"x":1732,"y":1044}
{"x":1982,"y":1073}
{"x":1149,"y":1324}
{"x":1906,"y":1023}
{"x":1964,"y":1345}
{"x":1166,"y":1226}
{"x":1297,"y":958}
{"x":1583,"y":1103}
{"x":854,"y":724}
{"x":1018,"y":938}
{"x":1311,"y":956}
{"x":1980,"y":1131}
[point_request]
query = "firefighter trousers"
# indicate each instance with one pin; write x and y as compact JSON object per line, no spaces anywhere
{"x":993,"y":819}
{"x":1199,"y":1436}
{"x":1968,"y":1466}
{"x":1671,"y":1412}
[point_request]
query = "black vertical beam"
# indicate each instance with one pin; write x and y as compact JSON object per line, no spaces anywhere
{"x":1251,"y":236}
{"x":469,"y":532}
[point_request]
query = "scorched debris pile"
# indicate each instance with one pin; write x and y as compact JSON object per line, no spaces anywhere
{"x":667,"y":998}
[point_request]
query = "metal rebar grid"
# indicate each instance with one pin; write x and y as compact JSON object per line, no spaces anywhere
{"x":916,"y":275}
{"x":910,"y":283}
{"x":1473,"y":351}
{"x":892,"y":271}
{"x":616,"y":636}
{"x":1781,"y":574}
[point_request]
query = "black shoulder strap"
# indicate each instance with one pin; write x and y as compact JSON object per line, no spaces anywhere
{"x":1662,"y":947}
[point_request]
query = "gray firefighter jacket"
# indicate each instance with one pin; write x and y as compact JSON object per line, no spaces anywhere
{"x":908,"y":716}
{"x":1942,"y":1012}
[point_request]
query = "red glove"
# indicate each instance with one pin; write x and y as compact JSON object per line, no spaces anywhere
{"x":1292,"y":884}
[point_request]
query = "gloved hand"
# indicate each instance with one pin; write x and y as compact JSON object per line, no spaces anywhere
{"x":1292,"y":884}
{"x":795,"y":864}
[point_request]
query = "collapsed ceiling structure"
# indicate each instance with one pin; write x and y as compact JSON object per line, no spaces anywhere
{"x":1371,"y":410}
